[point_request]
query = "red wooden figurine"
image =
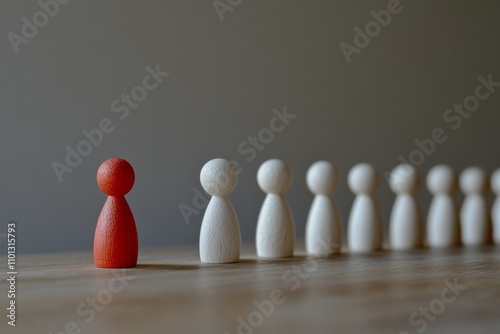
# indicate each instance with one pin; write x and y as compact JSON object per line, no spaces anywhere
{"x":115,"y":241}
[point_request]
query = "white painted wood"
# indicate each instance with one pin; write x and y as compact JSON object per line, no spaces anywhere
{"x":495,"y":210}
{"x":220,"y":237}
{"x":443,"y":227}
{"x":474,"y":215}
{"x":364,"y":232}
{"x":275,"y":234}
{"x":405,"y":225}
{"x":323,"y":227}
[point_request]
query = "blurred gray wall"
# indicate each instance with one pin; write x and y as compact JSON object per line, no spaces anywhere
{"x":226,"y":77}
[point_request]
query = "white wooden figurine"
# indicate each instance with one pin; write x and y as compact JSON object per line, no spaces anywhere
{"x":323,"y":228}
{"x":474,"y":215}
{"x":364,"y":232}
{"x":405,"y":225}
{"x":275,"y":235}
{"x":220,"y":238}
{"x":443,"y":227}
{"x":495,"y":211}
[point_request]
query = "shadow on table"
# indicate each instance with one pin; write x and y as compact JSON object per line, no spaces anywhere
{"x":152,"y":266}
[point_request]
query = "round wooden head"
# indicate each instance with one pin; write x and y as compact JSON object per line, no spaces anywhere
{"x":441,"y":179}
{"x":363,"y":179}
{"x":473,"y":180}
{"x":322,"y":178}
{"x":115,"y":177}
{"x":219,"y":177}
{"x":404,"y":179}
{"x":495,"y":182}
{"x":274,"y":176}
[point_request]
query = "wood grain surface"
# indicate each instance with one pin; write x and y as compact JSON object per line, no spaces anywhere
{"x":172,"y":292}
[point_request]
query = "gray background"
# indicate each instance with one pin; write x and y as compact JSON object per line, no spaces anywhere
{"x":226,"y":77}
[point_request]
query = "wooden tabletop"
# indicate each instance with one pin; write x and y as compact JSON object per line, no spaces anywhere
{"x":432,"y":291}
